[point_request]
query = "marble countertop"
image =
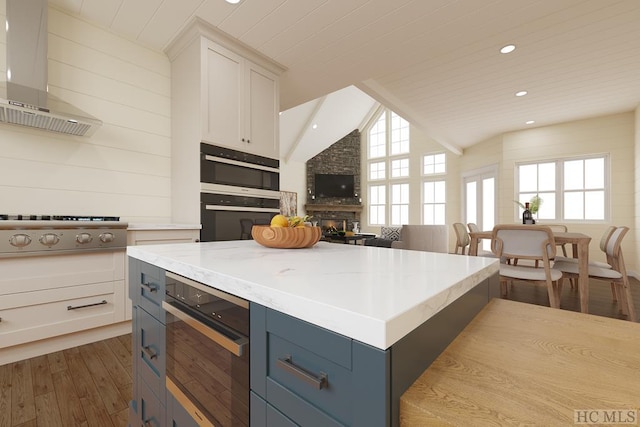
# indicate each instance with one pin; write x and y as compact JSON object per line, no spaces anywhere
{"x":374,"y":295}
{"x":145,"y":226}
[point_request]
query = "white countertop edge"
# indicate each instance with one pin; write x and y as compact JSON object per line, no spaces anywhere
{"x":375,"y":332}
{"x":144,"y":226}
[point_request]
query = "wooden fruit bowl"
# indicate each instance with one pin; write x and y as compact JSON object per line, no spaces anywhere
{"x":286,"y":237}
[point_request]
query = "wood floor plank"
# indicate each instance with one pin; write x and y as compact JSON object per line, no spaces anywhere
{"x":120,"y":418}
{"x":108,"y":391}
{"x":122,"y":352}
{"x":118,"y":373}
{"x":126,"y":342}
{"x":71,"y":412}
{"x":5,"y":395}
{"x":23,"y":406}
{"x":41,"y":375}
{"x":81,"y":376}
{"x":57,"y":361}
{"x":47,"y":411}
{"x":97,"y":415}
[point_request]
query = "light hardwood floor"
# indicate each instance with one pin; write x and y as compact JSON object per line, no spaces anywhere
{"x":91,"y":385}
{"x":85,"y":386}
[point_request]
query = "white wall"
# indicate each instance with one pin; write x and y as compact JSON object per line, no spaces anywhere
{"x":123,"y":169}
{"x":293,"y":177}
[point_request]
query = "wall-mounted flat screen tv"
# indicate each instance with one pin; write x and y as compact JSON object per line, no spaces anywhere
{"x":331,"y":185}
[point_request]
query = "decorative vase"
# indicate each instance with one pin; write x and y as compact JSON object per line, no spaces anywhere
{"x":356,"y":229}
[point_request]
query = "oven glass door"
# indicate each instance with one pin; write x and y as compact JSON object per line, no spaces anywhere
{"x":207,"y":360}
{"x":238,"y":175}
{"x":230,"y":217}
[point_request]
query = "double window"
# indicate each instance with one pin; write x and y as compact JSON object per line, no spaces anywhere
{"x":568,"y":189}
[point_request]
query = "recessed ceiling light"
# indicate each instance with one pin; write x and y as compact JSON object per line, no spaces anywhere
{"x":233,"y":1}
{"x":521,"y":93}
{"x":529,"y":122}
{"x":314,"y":126}
{"x":508,"y":48}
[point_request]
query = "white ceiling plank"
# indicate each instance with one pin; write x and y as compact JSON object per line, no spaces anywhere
{"x":168,"y":20}
{"x":133,"y":16}
{"x":281,"y":19}
{"x":247,"y":15}
{"x":100,"y":11}
{"x":306,"y":29}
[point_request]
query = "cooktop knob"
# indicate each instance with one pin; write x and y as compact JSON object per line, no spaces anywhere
{"x":19,"y":240}
{"x":84,"y":238}
{"x":107,"y":237}
{"x":49,"y":239}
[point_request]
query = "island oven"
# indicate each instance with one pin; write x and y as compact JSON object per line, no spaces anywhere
{"x":207,"y":352}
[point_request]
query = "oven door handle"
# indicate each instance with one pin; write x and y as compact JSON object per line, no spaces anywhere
{"x":236,"y":346}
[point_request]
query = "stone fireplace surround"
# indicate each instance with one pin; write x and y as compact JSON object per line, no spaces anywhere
{"x":343,"y":157}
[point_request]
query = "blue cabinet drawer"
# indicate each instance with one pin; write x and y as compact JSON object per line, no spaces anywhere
{"x":317,"y":368}
{"x":151,"y":412}
{"x":324,"y":343}
{"x":147,"y":287}
{"x":150,"y":350}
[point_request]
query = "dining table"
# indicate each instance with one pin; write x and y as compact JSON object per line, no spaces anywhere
{"x":580,"y":249}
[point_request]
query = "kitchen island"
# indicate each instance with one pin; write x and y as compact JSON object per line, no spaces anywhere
{"x":397,"y":308}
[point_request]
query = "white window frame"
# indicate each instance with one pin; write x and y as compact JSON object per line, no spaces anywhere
{"x":433,"y":204}
{"x":382,"y":204}
{"x":560,"y":191}
{"x":401,"y":152}
{"x":399,"y":167}
{"x":434,"y":163}
{"x":401,"y":206}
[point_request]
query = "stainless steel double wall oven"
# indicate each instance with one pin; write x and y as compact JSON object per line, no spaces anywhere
{"x":237,"y":190}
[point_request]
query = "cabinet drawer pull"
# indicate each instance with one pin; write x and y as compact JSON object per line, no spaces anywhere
{"x":318,"y":381}
{"x":70,"y":307}
{"x":149,"y":286}
{"x":150,"y":354}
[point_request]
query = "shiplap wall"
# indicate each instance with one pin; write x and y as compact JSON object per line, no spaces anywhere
{"x":124,"y":168}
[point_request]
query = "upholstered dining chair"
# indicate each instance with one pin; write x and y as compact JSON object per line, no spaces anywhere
{"x":528,"y":242}
{"x":462,"y":238}
{"x":616,"y":275}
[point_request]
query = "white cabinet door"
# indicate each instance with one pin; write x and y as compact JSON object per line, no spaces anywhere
{"x":240,"y":105}
{"x":261,"y":114}
{"x":223,"y":94}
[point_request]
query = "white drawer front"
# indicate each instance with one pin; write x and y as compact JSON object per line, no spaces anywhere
{"x":43,"y":314}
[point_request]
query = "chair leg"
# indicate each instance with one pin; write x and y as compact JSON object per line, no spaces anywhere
{"x":627,"y":299}
{"x":614,"y":292}
{"x":504,"y":291}
{"x":552,"y":290}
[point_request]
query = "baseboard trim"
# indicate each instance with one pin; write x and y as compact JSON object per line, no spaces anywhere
{"x":63,"y":342}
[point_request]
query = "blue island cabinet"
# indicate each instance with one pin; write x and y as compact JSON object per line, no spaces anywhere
{"x":305,"y":375}
{"x":146,"y":290}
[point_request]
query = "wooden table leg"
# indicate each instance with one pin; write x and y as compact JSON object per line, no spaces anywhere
{"x":583,"y":276}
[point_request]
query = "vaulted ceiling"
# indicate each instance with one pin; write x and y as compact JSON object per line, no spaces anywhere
{"x":435,"y":62}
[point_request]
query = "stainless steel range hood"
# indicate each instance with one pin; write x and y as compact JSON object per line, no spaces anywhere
{"x":26,"y":100}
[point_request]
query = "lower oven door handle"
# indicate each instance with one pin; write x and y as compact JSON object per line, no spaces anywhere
{"x":236,"y":346}
{"x":189,"y":406}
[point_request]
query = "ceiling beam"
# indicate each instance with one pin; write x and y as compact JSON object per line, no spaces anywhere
{"x":304,"y":128}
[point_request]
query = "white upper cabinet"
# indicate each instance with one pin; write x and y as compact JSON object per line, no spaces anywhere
{"x":241,"y":103}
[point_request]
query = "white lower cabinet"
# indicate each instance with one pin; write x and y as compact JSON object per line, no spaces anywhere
{"x":44,"y":298}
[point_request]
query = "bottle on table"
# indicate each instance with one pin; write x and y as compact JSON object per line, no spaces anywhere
{"x":527,"y":217}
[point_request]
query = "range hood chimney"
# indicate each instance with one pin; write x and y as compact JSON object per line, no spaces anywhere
{"x":27,"y":100}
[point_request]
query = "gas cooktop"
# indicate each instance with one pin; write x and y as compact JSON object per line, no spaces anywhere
{"x":6,"y":217}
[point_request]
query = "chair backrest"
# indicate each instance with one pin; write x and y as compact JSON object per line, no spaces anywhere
{"x":462,"y":237}
{"x":605,"y":237}
{"x":473,"y":227}
{"x":614,"y":250}
{"x":534,"y":242}
{"x":558,"y":228}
